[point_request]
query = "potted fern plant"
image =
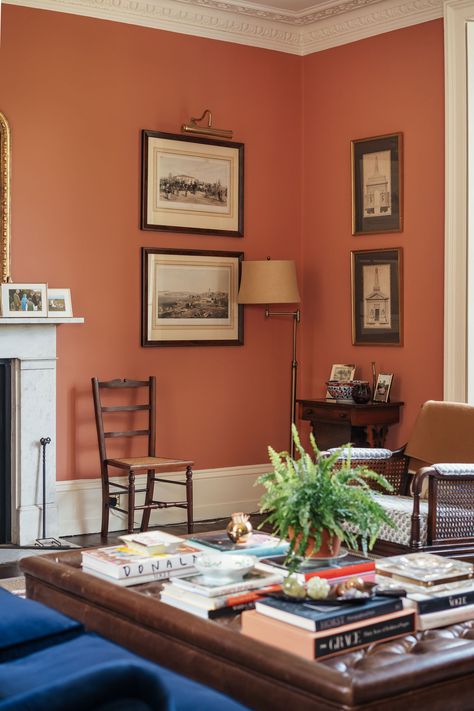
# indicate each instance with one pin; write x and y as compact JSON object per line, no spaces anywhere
{"x":318,"y":504}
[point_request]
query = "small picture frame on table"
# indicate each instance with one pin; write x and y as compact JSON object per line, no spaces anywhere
{"x":59,"y":302}
{"x":382,"y":387}
{"x":343,"y":373}
{"x":376,"y":165}
{"x":24,"y":300}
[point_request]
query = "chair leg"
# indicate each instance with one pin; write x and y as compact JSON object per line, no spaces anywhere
{"x":104,"y":530}
{"x":131,"y":501}
{"x":150,"y":482}
{"x":189,"y":498}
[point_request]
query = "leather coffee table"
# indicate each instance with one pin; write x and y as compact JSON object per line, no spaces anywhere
{"x":433,"y":670}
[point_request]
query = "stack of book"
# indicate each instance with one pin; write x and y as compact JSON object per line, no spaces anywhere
{"x":336,"y":570}
{"x":143,"y":563}
{"x":317,"y":630}
{"x":440,"y":590}
{"x":205,"y":598}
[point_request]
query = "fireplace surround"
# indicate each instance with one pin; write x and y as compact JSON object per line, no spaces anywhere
{"x":28,"y":374}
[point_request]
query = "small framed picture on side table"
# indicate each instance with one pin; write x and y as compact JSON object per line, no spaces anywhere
{"x":382,"y":388}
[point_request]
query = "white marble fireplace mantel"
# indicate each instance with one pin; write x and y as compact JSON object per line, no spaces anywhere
{"x":31,"y":345}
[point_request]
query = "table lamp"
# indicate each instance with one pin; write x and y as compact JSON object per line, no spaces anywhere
{"x":273,"y":281}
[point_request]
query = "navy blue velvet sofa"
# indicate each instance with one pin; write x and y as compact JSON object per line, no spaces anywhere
{"x":49,"y":663}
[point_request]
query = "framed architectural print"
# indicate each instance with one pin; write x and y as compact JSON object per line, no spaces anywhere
{"x":189,"y":298}
{"x":382,"y":389}
{"x":4,"y":199}
{"x":24,"y":300}
{"x":192,"y":184}
{"x":376,"y":165}
{"x":376,"y":288}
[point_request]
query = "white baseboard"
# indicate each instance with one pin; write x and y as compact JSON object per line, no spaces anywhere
{"x":217,"y":494}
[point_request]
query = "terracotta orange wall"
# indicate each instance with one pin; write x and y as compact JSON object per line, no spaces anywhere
{"x":77,"y":92}
{"x":389,"y":83}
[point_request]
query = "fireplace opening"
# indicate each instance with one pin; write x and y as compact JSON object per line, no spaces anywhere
{"x":5,"y":450}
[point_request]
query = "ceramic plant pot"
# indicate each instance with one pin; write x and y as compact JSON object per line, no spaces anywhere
{"x":330,"y":545}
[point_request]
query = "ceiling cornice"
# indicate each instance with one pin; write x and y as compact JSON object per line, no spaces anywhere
{"x":329,"y":24}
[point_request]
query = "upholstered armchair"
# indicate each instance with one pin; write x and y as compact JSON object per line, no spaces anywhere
{"x":432,"y":503}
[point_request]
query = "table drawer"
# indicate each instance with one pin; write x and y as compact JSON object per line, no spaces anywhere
{"x":326,"y":414}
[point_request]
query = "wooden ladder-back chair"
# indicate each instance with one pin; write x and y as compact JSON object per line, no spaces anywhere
{"x":149,"y":463}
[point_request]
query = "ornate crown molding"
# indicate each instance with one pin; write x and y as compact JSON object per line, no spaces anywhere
{"x":330,"y":24}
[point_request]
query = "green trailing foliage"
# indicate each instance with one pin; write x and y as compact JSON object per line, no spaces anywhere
{"x":306,"y":496}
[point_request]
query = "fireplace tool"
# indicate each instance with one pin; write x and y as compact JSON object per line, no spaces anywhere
{"x":46,"y":542}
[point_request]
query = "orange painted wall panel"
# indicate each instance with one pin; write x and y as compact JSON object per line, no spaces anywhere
{"x":77,"y":92}
{"x":386,"y":84}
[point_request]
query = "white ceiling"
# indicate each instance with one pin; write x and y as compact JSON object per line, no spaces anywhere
{"x":294,"y":26}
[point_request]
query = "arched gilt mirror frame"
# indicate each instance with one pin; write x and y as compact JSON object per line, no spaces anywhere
{"x":4,"y":199}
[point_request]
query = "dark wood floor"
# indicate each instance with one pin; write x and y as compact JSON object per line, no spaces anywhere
{"x":91,"y":540}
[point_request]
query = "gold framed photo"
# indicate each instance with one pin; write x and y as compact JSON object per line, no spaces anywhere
{"x":376,"y":167}
{"x":189,"y":298}
{"x":193,"y":185}
{"x":376,"y":290}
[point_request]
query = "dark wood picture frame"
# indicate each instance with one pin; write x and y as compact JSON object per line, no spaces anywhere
{"x":192,"y":185}
{"x":377,"y":186}
{"x":383,"y":387}
{"x":377,"y":303}
{"x":198,"y":307}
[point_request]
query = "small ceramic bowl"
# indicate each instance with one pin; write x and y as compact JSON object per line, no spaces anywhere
{"x":224,"y":568}
{"x":340,"y":391}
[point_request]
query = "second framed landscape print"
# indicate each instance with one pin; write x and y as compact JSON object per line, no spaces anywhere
{"x":189,"y":298}
{"x":377,"y":314}
{"x":376,"y":165}
{"x":192,"y":184}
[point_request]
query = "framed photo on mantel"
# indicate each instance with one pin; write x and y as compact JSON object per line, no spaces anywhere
{"x":192,"y":184}
{"x":376,"y":165}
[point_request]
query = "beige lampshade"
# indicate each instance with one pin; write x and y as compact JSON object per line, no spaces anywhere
{"x":268,"y":282}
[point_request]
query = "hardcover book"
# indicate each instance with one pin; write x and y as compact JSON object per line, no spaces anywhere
{"x":121,"y":562}
{"x":315,"y":617}
{"x":214,"y":603}
{"x":443,"y":618}
{"x":259,"y":544}
{"x":320,"y":645}
{"x":209,"y":614}
{"x":254,"y":579}
{"x":138,"y":579}
{"x":424,"y":569}
{"x":350,"y":565}
{"x":152,"y":542}
{"x":446,"y":596}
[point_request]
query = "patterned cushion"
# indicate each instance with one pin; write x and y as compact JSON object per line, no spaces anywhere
{"x":362,"y":453}
{"x":400,"y":509}
{"x":454,"y":469}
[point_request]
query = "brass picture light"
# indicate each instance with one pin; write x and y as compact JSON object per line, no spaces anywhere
{"x":209,"y":130}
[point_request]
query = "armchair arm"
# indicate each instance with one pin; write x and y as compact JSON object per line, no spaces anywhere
{"x":450,"y":503}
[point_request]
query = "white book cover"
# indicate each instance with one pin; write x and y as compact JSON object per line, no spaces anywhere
{"x":121,"y":562}
{"x":136,"y":579}
{"x":252,"y":580}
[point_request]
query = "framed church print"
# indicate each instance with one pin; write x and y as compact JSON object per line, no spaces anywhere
{"x":376,"y":289}
{"x":376,"y":166}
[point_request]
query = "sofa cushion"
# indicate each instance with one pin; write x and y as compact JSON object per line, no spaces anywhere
{"x":26,"y":625}
{"x":62,"y":663}
{"x":400,"y":510}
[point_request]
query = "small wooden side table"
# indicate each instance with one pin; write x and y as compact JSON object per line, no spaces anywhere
{"x":336,"y":422}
